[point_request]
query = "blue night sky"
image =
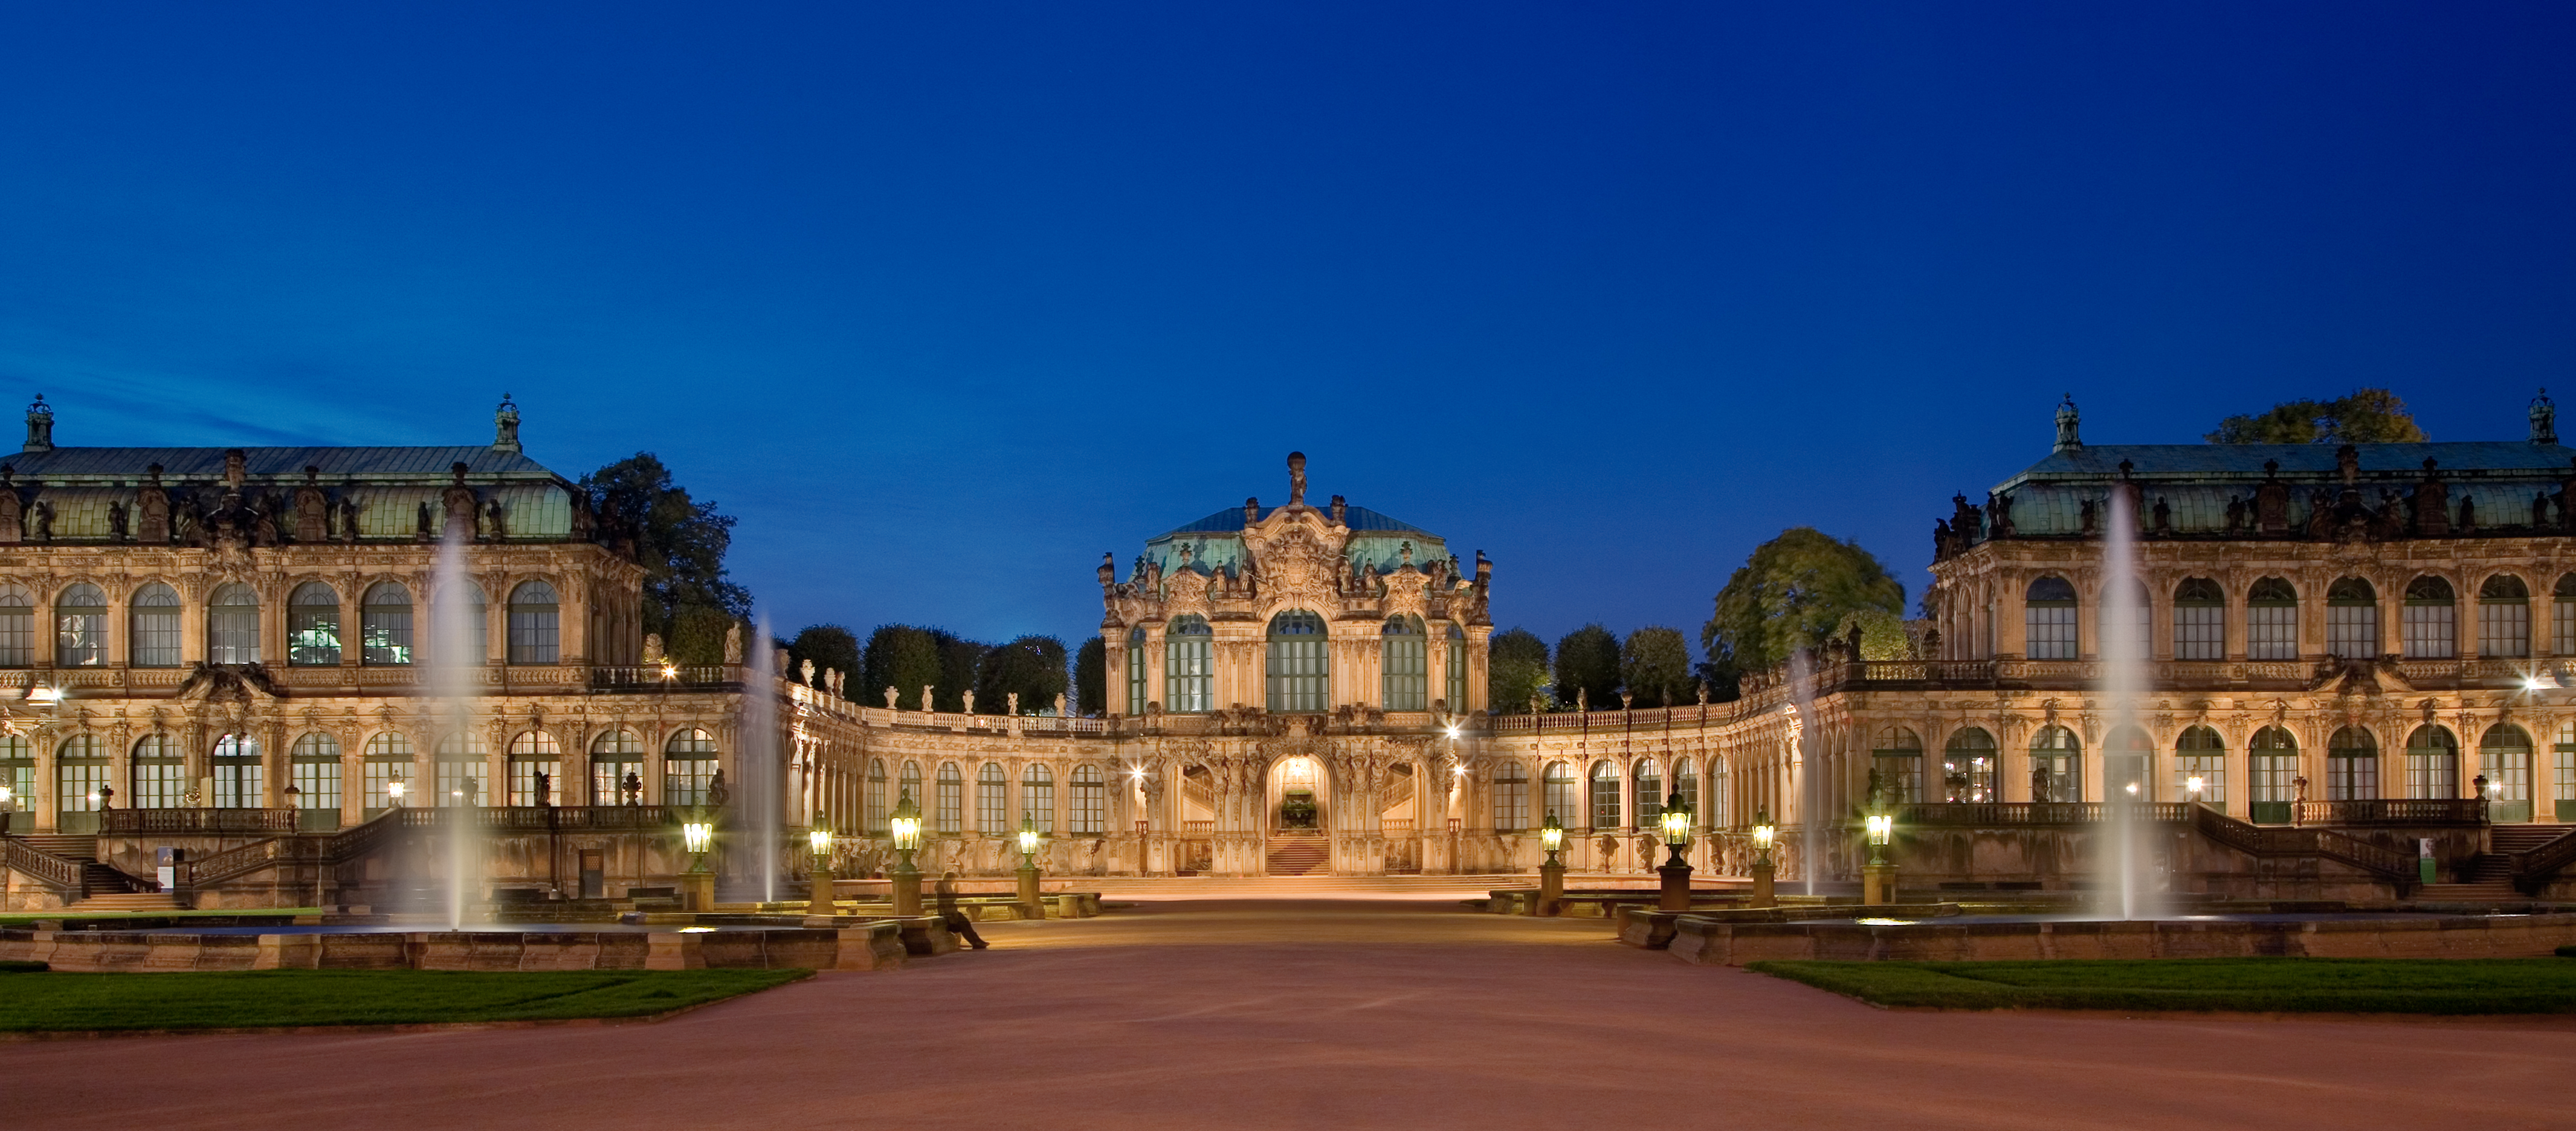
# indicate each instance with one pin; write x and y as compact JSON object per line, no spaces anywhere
{"x":944,"y":300}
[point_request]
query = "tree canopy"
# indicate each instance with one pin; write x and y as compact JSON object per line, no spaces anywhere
{"x":832,"y":648}
{"x":1031,"y":666}
{"x":679,"y":541}
{"x":1587,"y":668}
{"x":902,"y":657}
{"x":1091,"y":677}
{"x":2366,"y":416}
{"x":1515,"y":670}
{"x":1791,"y":593}
{"x":1654,"y":665}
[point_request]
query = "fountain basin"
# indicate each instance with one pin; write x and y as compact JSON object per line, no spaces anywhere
{"x":872,"y":944}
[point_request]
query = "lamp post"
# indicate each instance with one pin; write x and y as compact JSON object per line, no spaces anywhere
{"x":1551,"y":872}
{"x":1675,"y":872}
{"x":819,"y":838}
{"x":1764,"y":832}
{"x":697,"y":885}
{"x":907,"y":839}
{"x":1878,"y":877}
{"x":1032,"y":904}
{"x":394,"y":792}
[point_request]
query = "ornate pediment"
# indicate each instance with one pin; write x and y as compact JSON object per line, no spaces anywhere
{"x":1295,"y":557}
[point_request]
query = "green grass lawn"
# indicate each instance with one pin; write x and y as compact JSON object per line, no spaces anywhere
{"x":35,"y":1002}
{"x":2252,"y":985}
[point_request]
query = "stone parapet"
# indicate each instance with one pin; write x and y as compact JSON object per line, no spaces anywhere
{"x":1708,"y":941}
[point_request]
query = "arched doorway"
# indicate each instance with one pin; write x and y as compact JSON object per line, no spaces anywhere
{"x":1297,"y":815}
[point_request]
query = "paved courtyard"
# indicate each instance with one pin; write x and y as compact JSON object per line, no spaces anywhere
{"x":1316,"y":1013}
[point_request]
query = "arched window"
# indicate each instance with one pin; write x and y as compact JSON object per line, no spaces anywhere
{"x":2504,"y":617}
{"x":1299,"y":675}
{"x":2200,"y":620}
{"x":232,"y":625}
{"x":992,"y":803}
{"x":1605,"y":795}
{"x":384,"y":625}
{"x":238,"y":773}
{"x":2141,"y":634}
{"x":2352,"y":765}
{"x":1188,"y":664}
{"x":1896,"y":756}
{"x":80,"y":772}
{"x":1404,"y":665}
{"x":1135,"y":673}
{"x":1455,"y":673}
{"x":1090,"y":801}
{"x":876,"y":815}
{"x":80,"y":626}
{"x":535,"y":623}
{"x":2200,"y":754}
{"x":464,"y":777}
{"x":1649,"y":795}
{"x":313,"y":626}
{"x":2128,"y":765}
{"x":2562,"y":614}
{"x":689,"y":762}
{"x":18,"y":767}
{"x":1037,"y":796}
{"x":1561,"y":801}
{"x":154,"y":635}
{"x":532,"y":753}
{"x":387,"y":760}
{"x":1971,"y":767}
{"x":2562,"y":773}
{"x":313,"y":768}
{"x":2048,"y":620}
{"x":2056,"y":766}
{"x":1686,"y":783}
{"x":2432,"y":620}
{"x":2352,"y":619}
{"x":909,"y":786}
{"x":2272,"y":620}
{"x":160,"y":777}
{"x":457,"y":612}
{"x":613,"y":756}
{"x":17,"y":626}
{"x":950,"y":814}
{"x":1716,"y":815}
{"x":1511,"y":797}
{"x":2432,"y":764}
{"x":2272,"y":764}
{"x":2504,"y":756}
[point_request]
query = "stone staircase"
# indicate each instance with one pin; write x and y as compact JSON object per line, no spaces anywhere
{"x":1296,"y":854}
{"x":2524,"y":838}
{"x":2488,"y":878}
{"x":66,"y":846}
{"x":106,"y":888}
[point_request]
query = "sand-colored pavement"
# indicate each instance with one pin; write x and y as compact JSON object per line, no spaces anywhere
{"x":1288,"y":1014}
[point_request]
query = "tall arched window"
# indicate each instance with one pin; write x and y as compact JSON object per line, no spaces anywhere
{"x":909,"y":786}
{"x":1971,"y":767}
{"x":2141,"y":634}
{"x":2272,"y":765}
{"x":2432,"y":764}
{"x":1455,"y":672}
{"x":1037,"y":796}
{"x":2562,"y":773}
{"x":536,"y":617}
{"x":1896,"y":755}
{"x":463,"y":776}
{"x":160,"y":777}
{"x":689,"y":762}
{"x":2128,"y":765}
{"x":1135,"y":673}
{"x":613,"y":756}
{"x":388,"y":759}
{"x":80,"y":626}
{"x":532,"y":753}
{"x":2432,"y":620}
{"x":1561,"y":801}
{"x":2504,"y":617}
{"x":1715,"y":814}
{"x":2504,"y":756}
{"x":18,"y":767}
{"x":2562,"y":614}
{"x":1511,"y":796}
{"x":313,"y":768}
{"x":2272,"y":620}
{"x":232,"y":625}
{"x":1090,"y":801}
{"x":460,"y":622}
{"x":1404,"y":665}
{"x":153,"y":639}
{"x":17,"y":626}
{"x":2056,"y":765}
{"x":1298,"y":673}
{"x":384,"y":625}
{"x":313,"y":626}
{"x":2352,"y":619}
{"x":1605,"y":795}
{"x":1188,"y":664}
{"x":950,"y":814}
{"x":1649,"y":795}
{"x":877,"y":814}
{"x":2200,"y":620}
{"x":80,"y":771}
{"x":238,"y":772}
{"x":2352,"y":765}
{"x":2199,"y":753}
{"x":992,"y":802}
{"x":2048,"y":620}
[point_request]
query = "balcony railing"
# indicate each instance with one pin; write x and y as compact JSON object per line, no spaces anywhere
{"x":2004,"y":813}
{"x":2395,"y":811}
{"x":197,"y":822}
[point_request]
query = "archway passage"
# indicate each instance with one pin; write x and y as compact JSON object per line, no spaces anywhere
{"x":1297,"y":844}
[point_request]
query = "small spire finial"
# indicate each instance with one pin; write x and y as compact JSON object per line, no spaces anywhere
{"x":2068,"y":439}
{"x":40,"y":425}
{"x":2544,"y":419}
{"x":505,"y":426}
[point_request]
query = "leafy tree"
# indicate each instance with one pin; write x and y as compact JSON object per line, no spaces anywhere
{"x":697,"y":635}
{"x":832,"y":648}
{"x":1790,"y":594}
{"x":1587,"y":661}
{"x":1033,"y":666}
{"x":902,"y":657}
{"x":679,"y":541}
{"x":1515,"y":670}
{"x":961,"y":661}
{"x":1882,"y":634}
{"x":2367,"y":416}
{"x":1090,"y":676}
{"x":1655,"y":665}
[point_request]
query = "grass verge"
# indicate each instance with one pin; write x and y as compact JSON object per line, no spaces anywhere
{"x":58,"y":1002}
{"x":2247,"y":985}
{"x":31,"y":918}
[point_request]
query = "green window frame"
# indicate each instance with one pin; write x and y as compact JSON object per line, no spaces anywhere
{"x":1404,"y":665}
{"x":1298,"y":671}
{"x":313,"y":626}
{"x":1189,"y":669}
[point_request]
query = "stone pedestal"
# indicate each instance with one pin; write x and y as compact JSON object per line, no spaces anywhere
{"x":906,"y":883}
{"x":1878,"y":883}
{"x":1551,"y":889}
{"x":1762,"y":896}
{"x":1676,"y":892}
{"x":697,"y":891}
{"x":1033,"y":904}
{"x":822,"y":901}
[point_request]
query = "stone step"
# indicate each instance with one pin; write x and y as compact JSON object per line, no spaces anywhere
{"x":128,"y":901}
{"x":2524,"y":838}
{"x":66,"y":846}
{"x":2468,"y":893}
